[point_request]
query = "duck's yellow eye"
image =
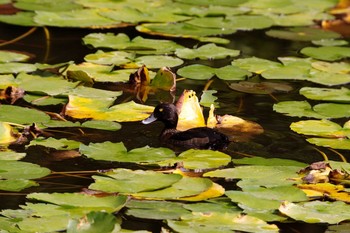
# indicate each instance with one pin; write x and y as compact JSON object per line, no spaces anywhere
{"x":161,"y":109}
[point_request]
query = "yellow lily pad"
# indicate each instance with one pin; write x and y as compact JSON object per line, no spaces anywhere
{"x":6,"y":135}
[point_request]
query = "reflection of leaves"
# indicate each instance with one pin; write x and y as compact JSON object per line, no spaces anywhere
{"x":260,"y":88}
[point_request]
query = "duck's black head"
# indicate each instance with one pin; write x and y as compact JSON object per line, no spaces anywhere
{"x":164,"y":112}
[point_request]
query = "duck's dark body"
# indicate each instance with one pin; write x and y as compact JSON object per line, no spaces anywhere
{"x":200,"y":137}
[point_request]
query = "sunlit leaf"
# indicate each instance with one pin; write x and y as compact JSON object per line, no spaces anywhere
{"x":329,"y":42}
{"x":129,"y":181}
{"x":21,"y":115}
{"x":21,"y":170}
{"x":328,"y":53}
{"x":183,"y":30}
{"x":246,"y":200}
{"x":74,"y":18}
{"x":117,"y":152}
{"x":208,"y":98}
{"x":156,"y":61}
{"x":190,"y":114}
{"x":332,"y":67}
{"x":110,"y":58}
{"x":214,"y":191}
{"x":58,"y":144}
{"x":326,"y":94}
{"x":81,"y":200}
{"x":296,"y":109}
{"x":48,"y":224}
{"x":155,"y":209}
{"x":203,"y":159}
{"x":11,"y":155}
{"x":220,"y":222}
{"x":317,"y":211}
{"x":268,"y":161}
{"x":335,"y":143}
{"x":255,"y":65}
{"x":40,"y":100}
{"x":16,"y":67}
{"x":6,"y":133}
{"x":16,"y":185}
{"x":208,"y":51}
{"x":92,"y":222}
{"x":322,"y":128}
{"x":103,"y":125}
{"x":11,"y":56}
{"x":138,"y":45}
{"x":46,"y":5}
{"x":22,"y":18}
{"x":187,"y":186}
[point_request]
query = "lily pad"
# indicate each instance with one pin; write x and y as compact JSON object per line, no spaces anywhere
{"x":317,"y":211}
{"x":21,"y":115}
{"x":46,"y":5}
{"x":110,"y":151}
{"x":296,"y":109}
{"x":268,"y":162}
{"x":138,"y":45}
{"x":326,"y":94}
{"x":22,"y":18}
{"x":16,"y":67}
{"x":6,"y":133}
{"x":11,"y":56}
{"x":74,"y":18}
{"x":208,"y":51}
{"x":93,"y":222}
{"x":128,"y":181}
{"x":328,"y":53}
{"x":255,"y":64}
{"x":156,"y":209}
{"x":58,"y":144}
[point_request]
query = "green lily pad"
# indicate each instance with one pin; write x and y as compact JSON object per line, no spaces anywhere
{"x":58,"y":144}
{"x":117,"y":152}
{"x":16,"y":185}
{"x":296,"y":109}
{"x":11,"y":155}
{"x":208,"y":51}
{"x":220,"y":222}
{"x":326,"y":94}
{"x":212,"y":206}
{"x":40,"y":100}
{"x":258,"y":175}
{"x":74,"y":18}
{"x":110,"y":58}
{"x":332,"y":67}
{"x":16,"y":67}
{"x":128,"y":181}
{"x":210,"y":2}
{"x":187,"y":186}
{"x":255,"y":64}
{"x":138,"y":45}
{"x":48,"y":85}
{"x":155,"y":209}
{"x":156,"y":62}
{"x":208,"y":98}
{"x":21,"y":170}
{"x":302,"y":34}
{"x":48,"y":224}
{"x":328,"y":53}
{"x":202,"y":159}
{"x":203,"y":72}
{"x":11,"y":56}
{"x":184,"y":30}
{"x":81,"y":200}
{"x":333,"y":110}
{"x":330,"y":42}
{"x":93,"y":222}
{"x":46,"y":5}
{"x":335,"y":143}
{"x":317,"y":211}
{"x":247,"y":200}
{"x":21,"y":115}
{"x":22,"y":18}
{"x":102,"y":125}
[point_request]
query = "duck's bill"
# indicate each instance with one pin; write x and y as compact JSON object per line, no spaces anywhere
{"x":149,"y":119}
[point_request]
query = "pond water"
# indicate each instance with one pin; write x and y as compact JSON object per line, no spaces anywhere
{"x":277,"y":141}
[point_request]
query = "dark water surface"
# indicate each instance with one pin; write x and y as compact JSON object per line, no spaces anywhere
{"x":277,"y":141}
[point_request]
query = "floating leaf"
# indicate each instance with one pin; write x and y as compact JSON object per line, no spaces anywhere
{"x":203,"y":159}
{"x":22,"y":18}
{"x":329,"y":42}
{"x":46,"y":5}
{"x":74,"y":18}
{"x":128,"y":181}
{"x":322,"y":128}
{"x":117,"y":152}
{"x":48,"y":224}
{"x":21,"y":170}
{"x":208,"y":98}
{"x":268,"y":161}
{"x":155,"y":209}
{"x":93,"y":222}
{"x":326,"y":94}
{"x":187,"y":186}
{"x":102,"y":125}
{"x":11,"y":155}
{"x":208,"y":51}
{"x":328,"y":53}
{"x":109,"y":58}
{"x":11,"y":56}
{"x":246,"y":200}
{"x":6,"y":134}
{"x":164,"y":79}
{"x":16,"y":67}
{"x":16,"y":185}
{"x":109,"y":203}
{"x":21,"y":115}
{"x":255,"y":65}
{"x":317,"y":211}
{"x":138,"y":45}
{"x":332,"y":67}
{"x":220,"y":222}
{"x":58,"y":144}
{"x":296,"y":109}
{"x":335,"y":143}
